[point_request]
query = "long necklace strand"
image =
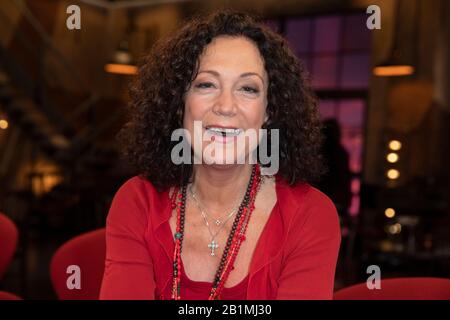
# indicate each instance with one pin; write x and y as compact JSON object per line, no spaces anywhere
{"x":237,"y":241}
{"x":239,"y":225}
{"x":180,"y":205}
{"x":220,"y":278}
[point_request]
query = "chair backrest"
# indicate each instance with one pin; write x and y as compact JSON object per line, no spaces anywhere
{"x":399,"y":289}
{"x":86,"y":252}
{"x":8,"y":242}
{"x":8,"y":296}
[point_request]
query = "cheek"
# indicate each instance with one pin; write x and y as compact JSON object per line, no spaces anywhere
{"x":255,"y":115}
{"x":195,"y":108}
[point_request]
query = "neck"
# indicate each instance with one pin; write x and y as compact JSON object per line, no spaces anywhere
{"x":221,"y":187}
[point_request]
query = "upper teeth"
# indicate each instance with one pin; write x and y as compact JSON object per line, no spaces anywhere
{"x":224,"y":130}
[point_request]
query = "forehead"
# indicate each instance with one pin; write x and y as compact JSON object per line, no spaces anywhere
{"x":232,"y":52}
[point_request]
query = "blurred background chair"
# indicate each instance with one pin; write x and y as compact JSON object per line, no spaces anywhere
{"x":8,"y":242}
{"x":399,"y":289}
{"x":8,"y":245}
{"x":8,"y":296}
{"x":86,"y":251}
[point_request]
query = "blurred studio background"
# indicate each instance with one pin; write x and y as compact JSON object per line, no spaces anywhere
{"x":384,"y":100}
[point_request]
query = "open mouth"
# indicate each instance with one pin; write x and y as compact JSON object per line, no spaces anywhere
{"x":223,"y":132}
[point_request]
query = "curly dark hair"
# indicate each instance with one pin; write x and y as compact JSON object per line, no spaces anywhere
{"x":157,"y":100}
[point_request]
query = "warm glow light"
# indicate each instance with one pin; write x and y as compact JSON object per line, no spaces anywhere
{"x":391,"y":71}
{"x":121,"y":68}
{"x":392,"y":157}
{"x":389,"y":212}
{"x":393,"y":174}
{"x":394,"y":228}
{"x":395,"y":145}
{"x":3,"y":124}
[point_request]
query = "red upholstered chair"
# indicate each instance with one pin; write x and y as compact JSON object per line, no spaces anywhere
{"x":8,"y":242}
{"x":86,"y":251}
{"x":8,"y":296}
{"x":399,"y":289}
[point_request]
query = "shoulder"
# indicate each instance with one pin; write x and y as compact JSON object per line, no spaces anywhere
{"x":131,"y":201}
{"x":134,"y":188}
{"x":308,"y":198}
{"x":315,"y":213}
{"x":314,"y":200}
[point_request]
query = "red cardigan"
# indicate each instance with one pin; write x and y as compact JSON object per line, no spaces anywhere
{"x":295,"y":257}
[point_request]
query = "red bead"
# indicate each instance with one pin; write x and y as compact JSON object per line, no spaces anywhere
{"x":239,"y":230}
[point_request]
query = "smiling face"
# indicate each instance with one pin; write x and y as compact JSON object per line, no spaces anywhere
{"x":228,"y":96}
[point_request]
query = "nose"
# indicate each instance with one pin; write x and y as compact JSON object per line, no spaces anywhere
{"x":225,"y":104}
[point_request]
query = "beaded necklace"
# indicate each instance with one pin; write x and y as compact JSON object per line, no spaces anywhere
{"x":235,"y":238}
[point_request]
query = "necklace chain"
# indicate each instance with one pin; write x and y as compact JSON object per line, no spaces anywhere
{"x":204,"y":211}
{"x":235,"y":238}
{"x":213,"y":244}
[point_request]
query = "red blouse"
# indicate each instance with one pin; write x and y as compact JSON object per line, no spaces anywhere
{"x":199,"y":290}
{"x":295,"y":256}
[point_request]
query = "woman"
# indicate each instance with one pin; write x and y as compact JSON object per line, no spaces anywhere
{"x":212,"y":229}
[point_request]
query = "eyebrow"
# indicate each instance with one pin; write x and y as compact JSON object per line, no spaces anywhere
{"x":243,"y":75}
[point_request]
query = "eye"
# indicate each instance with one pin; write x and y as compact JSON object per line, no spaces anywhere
{"x":204,"y":85}
{"x":250,"y":89}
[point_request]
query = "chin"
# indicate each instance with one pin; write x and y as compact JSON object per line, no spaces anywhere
{"x":236,"y":159}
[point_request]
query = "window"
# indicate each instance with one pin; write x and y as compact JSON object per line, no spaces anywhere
{"x":336,"y":51}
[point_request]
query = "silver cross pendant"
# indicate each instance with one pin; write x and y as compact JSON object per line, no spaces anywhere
{"x":213,"y":246}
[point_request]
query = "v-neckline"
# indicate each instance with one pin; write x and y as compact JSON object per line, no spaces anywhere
{"x":206,"y":284}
